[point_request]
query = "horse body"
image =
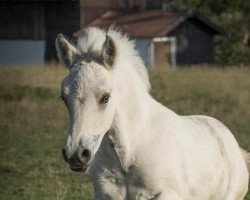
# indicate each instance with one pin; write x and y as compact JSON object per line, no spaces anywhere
{"x":177,"y":158}
{"x":135,"y":147}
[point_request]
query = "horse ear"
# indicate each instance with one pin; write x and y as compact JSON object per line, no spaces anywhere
{"x":66,"y":52}
{"x":108,"y":52}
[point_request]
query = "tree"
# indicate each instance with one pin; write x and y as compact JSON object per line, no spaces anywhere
{"x":233,"y":16}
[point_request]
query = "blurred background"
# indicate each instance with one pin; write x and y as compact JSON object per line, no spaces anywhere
{"x":181,"y":32}
{"x":197,"y":53}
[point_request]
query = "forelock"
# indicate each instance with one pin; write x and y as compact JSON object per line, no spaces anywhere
{"x":93,"y":39}
{"x":89,"y":42}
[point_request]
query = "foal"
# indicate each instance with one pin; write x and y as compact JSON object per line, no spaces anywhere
{"x":135,"y":147}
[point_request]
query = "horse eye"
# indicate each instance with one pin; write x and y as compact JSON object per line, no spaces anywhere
{"x":105,"y":98}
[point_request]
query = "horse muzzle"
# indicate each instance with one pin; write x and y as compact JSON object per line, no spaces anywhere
{"x":78,"y":161}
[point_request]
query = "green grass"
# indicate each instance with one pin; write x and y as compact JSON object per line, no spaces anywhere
{"x":33,"y":123}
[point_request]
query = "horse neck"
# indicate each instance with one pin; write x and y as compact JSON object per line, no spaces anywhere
{"x":131,"y":116}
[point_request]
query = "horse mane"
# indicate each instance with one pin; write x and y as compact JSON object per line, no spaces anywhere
{"x":93,"y":39}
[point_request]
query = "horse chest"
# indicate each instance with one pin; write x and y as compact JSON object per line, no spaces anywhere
{"x":130,"y":186}
{"x":111,"y":182}
{"x":138,"y":188}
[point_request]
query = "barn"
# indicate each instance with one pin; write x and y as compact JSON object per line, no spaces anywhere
{"x":165,"y":39}
{"x":29,"y":28}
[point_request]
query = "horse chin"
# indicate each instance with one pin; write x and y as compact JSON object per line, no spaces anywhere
{"x":80,"y":168}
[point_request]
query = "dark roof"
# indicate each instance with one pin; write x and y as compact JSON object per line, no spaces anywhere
{"x":149,"y":23}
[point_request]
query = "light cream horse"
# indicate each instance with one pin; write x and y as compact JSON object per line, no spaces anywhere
{"x":136,"y":148}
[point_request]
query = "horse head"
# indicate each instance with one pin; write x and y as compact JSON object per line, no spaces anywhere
{"x":87,"y":92}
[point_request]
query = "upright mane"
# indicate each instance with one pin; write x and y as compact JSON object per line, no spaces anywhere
{"x":93,"y":39}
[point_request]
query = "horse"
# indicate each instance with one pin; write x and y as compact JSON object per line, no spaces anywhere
{"x":134,"y":147}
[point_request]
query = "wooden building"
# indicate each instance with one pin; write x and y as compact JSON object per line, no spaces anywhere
{"x":29,"y":28}
{"x":165,"y":39}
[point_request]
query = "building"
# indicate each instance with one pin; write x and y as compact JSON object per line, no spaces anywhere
{"x":29,"y":28}
{"x":165,"y":39}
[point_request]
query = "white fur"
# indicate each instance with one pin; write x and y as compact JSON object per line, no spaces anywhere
{"x":142,"y":149}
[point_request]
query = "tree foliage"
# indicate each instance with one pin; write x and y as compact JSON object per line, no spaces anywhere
{"x":233,"y":16}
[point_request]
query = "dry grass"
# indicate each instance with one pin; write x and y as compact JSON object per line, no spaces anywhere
{"x":34,"y":122}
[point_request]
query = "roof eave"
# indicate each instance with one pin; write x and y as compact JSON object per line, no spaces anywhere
{"x":217,"y":30}
{"x":190,"y":14}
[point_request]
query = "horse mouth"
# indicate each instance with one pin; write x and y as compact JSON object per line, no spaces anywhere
{"x":78,"y":168}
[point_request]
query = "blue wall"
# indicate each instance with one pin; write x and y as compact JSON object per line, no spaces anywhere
{"x":22,"y":52}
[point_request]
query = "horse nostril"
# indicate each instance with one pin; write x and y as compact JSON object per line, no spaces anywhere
{"x":84,"y":156}
{"x":64,"y":155}
{"x":86,"y":153}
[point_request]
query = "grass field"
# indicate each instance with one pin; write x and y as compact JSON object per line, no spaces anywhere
{"x":33,"y":123}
